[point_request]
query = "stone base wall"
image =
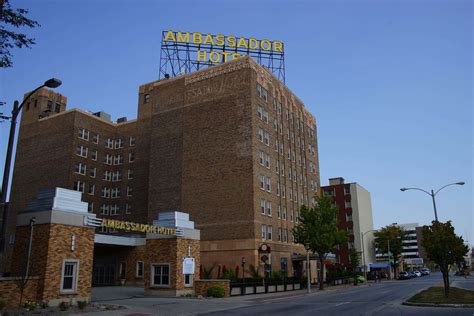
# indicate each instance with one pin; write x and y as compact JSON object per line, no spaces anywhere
{"x":10,"y":291}
{"x":201,"y":286}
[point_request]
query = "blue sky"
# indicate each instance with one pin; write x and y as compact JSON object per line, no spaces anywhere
{"x":390,"y":82}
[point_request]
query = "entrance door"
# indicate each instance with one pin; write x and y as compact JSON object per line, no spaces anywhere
{"x":103,"y":274}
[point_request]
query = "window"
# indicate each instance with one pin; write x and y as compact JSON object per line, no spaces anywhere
{"x":113,"y":209}
{"x":188,"y":280}
{"x":348,"y":217}
{"x":278,"y":189}
{"x":109,"y":143}
{"x":284,"y":212}
{"x":118,"y":160}
{"x":94,"y":154}
{"x":69,"y":276}
{"x":267,"y":138}
{"x":348,"y":204}
{"x":118,"y":143}
{"x":81,"y":151}
{"x":83,"y":134}
{"x":347,"y":190}
{"x":57,"y":108}
{"x":146,"y":98}
{"x":130,"y":174}
{"x":95,"y":138}
{"x":264,"y":231}
{"x":279,"y":233}
{"x":50,"y":105}
{"x":79,"y":186}
{"x":132,"y":140}
{"x":108,"y":159}
{"x":129,"y":191}
{"x":107,"y":175}
{"x":269,"y":185}
{"x":92,"y":172}
{"x":262,"y":157}
{"x":262,"y":206}
{"x":115,"y":193}
{"x":260,"y":135}
{"x":80,"y":168}
{"x":105,"y":192}
{"x":91,"y":189}
{"x":262,"y":183}
{"x":90,"y":208}
{"x":160,"y":275}
{"x":139,"y":269}
{"x":267,"y":161}
{"x":104,"y":209}
{"x":285,"y":235}
{"x":128,"y":209}
{"x":259,"y":112}
{"x":269,"y":232}
{"x":269,"y":208}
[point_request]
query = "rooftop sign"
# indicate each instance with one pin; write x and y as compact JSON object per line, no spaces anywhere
{"x":184,"y":52}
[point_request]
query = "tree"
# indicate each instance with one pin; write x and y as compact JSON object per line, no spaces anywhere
{"x":443,"y":247}
{"x":10,"y":38}
{"x":354,"y":260}
{"x":393,"y":236}
{"x":318,"y":228}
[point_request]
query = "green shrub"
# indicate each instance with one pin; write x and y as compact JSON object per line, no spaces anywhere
{"x":81,"y":304}
{"x":215,"y":291}
{"x":31,"y":305}
{"x":64,"y":306}
{"x":229,"y":275}
{"x":276,"y":276}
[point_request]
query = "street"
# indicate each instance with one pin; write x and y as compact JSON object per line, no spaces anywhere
{"x":383,"y":298}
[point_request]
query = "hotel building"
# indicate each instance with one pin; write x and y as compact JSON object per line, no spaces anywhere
{"x":231,"y":145}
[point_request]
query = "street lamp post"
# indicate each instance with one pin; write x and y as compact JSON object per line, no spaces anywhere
{"x":51,"y":83}
{"x":243,"y":275}
{"x":433,"y":194}
{"x":308,"y":267}
{"x":363,"y":250}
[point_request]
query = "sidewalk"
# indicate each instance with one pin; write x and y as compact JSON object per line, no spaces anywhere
{"x":463,"y":283}
{"x":135,"y":303}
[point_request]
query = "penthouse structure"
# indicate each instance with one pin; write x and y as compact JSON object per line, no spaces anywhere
{"x":230,"y":145}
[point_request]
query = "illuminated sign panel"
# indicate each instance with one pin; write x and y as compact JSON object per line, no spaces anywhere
{"x":184,"y":52}
{"x":136,"y":227}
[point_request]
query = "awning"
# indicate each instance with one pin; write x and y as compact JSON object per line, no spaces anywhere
{"x":383,"y":265}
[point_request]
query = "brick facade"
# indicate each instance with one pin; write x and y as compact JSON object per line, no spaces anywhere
{"x":10,"y":291}
{"x":197,"y":150}
{"x":51,"y":246}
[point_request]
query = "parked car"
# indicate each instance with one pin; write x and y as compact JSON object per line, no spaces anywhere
{"x":425,"y":271}
{"x":404,"y":275}
{"x":412,"y":274}
{"x":417,"y":273}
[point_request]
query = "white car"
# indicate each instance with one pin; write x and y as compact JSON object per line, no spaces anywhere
{"x":417,"y":273}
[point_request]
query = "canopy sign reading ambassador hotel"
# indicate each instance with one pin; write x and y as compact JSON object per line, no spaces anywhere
{"x":184,"y":52}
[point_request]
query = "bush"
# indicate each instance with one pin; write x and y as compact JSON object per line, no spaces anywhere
{"x":2,"y":304}
{"x":64,"y":306}
{"x":215,"y":291}
{"x":229,"y":275}
{"x":81,"y":304}
{"x":31,"y":305}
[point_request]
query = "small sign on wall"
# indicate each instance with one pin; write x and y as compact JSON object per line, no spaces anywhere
{"x":188,"y":266}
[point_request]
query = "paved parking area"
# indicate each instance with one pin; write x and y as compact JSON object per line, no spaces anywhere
{"x":110,"y":293}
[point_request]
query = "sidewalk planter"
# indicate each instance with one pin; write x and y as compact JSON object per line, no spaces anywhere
{"x":201,"y":286}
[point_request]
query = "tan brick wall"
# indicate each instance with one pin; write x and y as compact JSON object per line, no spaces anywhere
{"x":201,"y":286}
{"x":10,"y":291}
{"x":51,"y":246}
{"x":170,"y":251}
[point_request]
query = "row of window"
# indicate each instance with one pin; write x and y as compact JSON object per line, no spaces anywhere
{"x":109,"y":159}
{"x":266,"y":185}
{"x":267,"y":233}
{"x":114,"y":209}
{"x":110,"y":143}
{"x":266,"y":209}
{"x":105,"y":192}
{"x":113,"y":176}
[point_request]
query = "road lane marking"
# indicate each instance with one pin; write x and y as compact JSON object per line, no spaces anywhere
{"x":341,"y":304}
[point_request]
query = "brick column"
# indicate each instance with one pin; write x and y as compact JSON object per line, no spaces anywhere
{"x":61,"y":253}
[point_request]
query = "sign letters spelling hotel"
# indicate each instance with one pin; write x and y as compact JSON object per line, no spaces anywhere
{"x":184,"y":52}
{"x":137,"y":227}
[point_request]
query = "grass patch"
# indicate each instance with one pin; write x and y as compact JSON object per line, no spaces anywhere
{"x":435,"y":295}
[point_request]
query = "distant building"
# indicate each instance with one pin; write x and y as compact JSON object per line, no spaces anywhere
{"x":355,"y":216}
{"x":411,"y":254}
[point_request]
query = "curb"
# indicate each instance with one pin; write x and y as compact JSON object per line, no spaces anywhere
{"x":438,"y":305}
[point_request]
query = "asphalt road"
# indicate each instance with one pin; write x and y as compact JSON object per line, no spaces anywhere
{"x":378,"y":299}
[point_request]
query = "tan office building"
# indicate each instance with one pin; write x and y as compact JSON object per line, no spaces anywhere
{"x":230,"y":145}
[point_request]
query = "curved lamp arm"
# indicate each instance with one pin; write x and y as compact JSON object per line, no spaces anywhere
{"x":405,"y":189}
{"x":447,"y":185}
